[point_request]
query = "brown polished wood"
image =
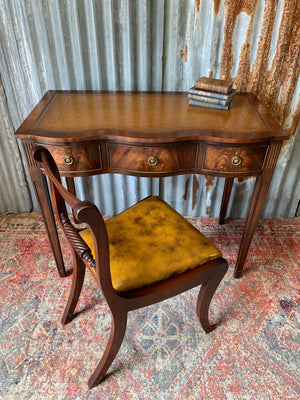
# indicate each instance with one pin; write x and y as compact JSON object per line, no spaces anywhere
{"x":153,"y":134}
{"x":225,"y":199}
{"x":43,"y":197}
{"x":225,"y":159}
{"x":208,"y":274}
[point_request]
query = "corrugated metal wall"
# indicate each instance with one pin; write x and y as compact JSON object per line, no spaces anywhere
{"x":150,"y":45}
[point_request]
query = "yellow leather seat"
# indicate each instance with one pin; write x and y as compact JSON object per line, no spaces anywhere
{"x":151,"y":242}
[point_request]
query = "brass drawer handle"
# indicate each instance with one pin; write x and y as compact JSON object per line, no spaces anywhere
{"x":152,"y":160}
{"x":236,"y":160}
{"x":68,"y":160}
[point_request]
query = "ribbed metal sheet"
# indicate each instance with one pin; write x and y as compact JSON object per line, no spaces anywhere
{"x":13,"y":180}
{"x":151,"y":45}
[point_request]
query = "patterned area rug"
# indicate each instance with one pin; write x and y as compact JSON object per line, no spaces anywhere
{"x":253,"y":353}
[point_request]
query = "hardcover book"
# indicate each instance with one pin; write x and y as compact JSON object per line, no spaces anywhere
{"x":193,"y":102}
{"x":208,"y":95}
{"x":214,"y":85}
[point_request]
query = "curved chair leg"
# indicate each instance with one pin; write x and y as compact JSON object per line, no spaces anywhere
{"x":77,"y":282}
{"x":117,"y":333}
{"x":206,"y":294}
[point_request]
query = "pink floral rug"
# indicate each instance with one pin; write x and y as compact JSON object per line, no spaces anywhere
{"x":253,"y":354}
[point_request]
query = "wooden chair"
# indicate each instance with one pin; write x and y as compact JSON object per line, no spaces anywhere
{"x":146,"y":254}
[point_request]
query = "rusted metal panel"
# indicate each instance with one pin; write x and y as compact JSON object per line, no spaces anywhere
{"x":155,"y":45}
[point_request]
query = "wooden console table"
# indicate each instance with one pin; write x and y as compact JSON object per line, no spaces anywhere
{"x":152,"y":134}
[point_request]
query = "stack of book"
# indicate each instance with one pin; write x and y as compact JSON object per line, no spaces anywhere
{"x":213,"y":93}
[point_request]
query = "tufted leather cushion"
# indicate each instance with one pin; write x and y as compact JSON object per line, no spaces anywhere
{"x":150,"y":242}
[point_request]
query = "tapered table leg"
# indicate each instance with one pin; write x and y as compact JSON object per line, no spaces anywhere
{"x":258,"y":198}
{"x":43,"y":197}
{"x":225,"y":199}
{"x":41,"y":189}
{"x":71,"y":187}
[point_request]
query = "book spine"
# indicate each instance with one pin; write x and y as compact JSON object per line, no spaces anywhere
{"x":206,"y":99}
{"x":210,"y":105}
{"x":205,"y":93}
{"x":213,"y":88}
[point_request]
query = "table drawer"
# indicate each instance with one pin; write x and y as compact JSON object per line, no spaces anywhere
{"x":73,"y":159}
{"x":234,"y":159}
{"x":152,"y":159}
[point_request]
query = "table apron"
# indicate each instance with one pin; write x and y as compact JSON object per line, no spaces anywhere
{"x":157,"y":160}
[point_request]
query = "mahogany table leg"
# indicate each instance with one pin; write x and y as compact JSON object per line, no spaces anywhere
{"x":225,"y":199}
{"x":71,"y":187}
{"x":258,"y":198}
{"x":40,"y":186}
{"x":43,"y":197}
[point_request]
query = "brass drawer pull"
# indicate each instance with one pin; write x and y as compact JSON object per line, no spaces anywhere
{"x":236,"y":160}
{"x":152,"y":160}
{"x":68,"y":160}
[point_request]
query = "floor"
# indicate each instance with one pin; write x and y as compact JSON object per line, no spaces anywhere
{"x":253,"y":354}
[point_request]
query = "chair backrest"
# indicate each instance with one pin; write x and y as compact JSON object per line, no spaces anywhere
{"x":84,"y":212}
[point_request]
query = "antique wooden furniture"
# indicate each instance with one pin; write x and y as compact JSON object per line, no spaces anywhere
{"x":146,"y":254}
{"x":153,"y":134}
